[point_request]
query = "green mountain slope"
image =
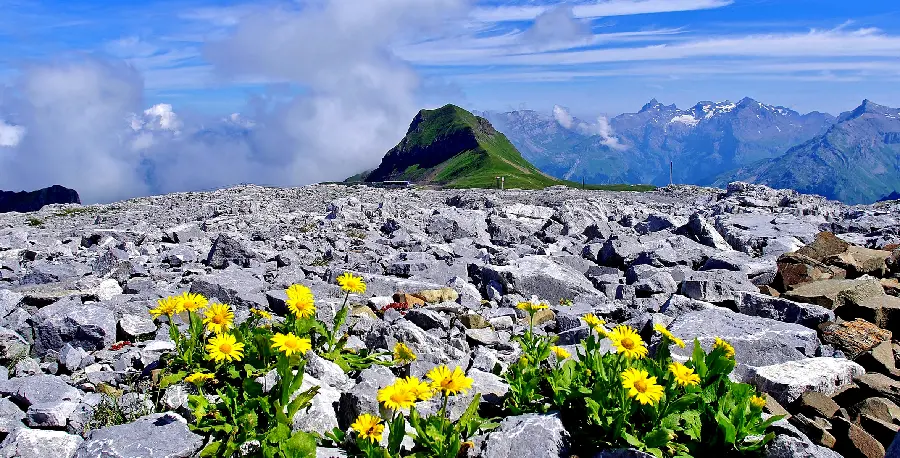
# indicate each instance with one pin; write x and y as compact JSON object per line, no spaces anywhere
{"x":451,"y":147}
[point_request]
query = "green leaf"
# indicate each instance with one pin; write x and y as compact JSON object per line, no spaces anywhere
{"x":692,"y":424}
{"x":300,"y":445}
{"x":726,"y":427}
{"x":212,"y":449}
{"x":397,"y":433}
{"x":171,"y":379}
{"x":632,"y":441}
{"x":658,"y":437}
{"x":302,"y":400}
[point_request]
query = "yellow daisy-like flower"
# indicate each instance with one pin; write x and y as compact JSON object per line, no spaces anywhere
{"x":167,"y":306}
{"x":757,"y":401}
{"x":421,"y":389}
{"x":397,"y":396}
{"x":442,"y":379}
{"x":290,"y":344}
{"x":725,"y":346}
{"x":225,"y":347}
{"x":596,"y":324}
{"x":218,"y":318}
{"x":641,"y":386}
{"x":300,"y":301}
{"x":628,"y":342}
{"x":668,"y":335}
{"x":402,"y":354}
{"x":351,"y":283}
{"x":531,"y":307}
{"x":368,"y":427}
{"x":261,"y":313}
{"x":684,"y":375}
{"x":560,"y":352}
{"x":198,"y":377}
{"x":192,"y":301}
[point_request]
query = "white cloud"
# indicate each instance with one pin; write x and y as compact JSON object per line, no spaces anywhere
{"x":601,"y":128}
{"x":10,"y":135}
{"x":558,"y":26}
{"x":600,"y":8}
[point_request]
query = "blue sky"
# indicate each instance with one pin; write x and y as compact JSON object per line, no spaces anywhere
{"x":596,"y":57}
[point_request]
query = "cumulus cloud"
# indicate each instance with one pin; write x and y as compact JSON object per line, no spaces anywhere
{"x":600,"y":129}
{"x":558,"y":26}
{"x":355,"y":102}
{"x":10,"y":135}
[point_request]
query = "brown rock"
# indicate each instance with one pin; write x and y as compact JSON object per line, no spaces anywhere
{"x":815,"y":404}
{"x":883,"y":431}
{"x":795,"y":269}
{"x":769,"y":290}
{"x":413,"y":301}
{"x":436,"y":296}
{"x":854,"y":337}
{"x":879,"y":385}
{"x":473,"y":321}
{"x":814,"y":428}
{"x":836,"y":293}
{"x":891,"y":246}
{"x":363,"y":311}
{"x":824,"y":245}
{"x":773,"y":407}
{"x":879,"y":359}
{"x":542,"y":316}
{"x":891,"y":286}
{"x":883,"y":311}
{"x":858,"y":261}
{"x":854,"y":442}
{"x":881,"y":408}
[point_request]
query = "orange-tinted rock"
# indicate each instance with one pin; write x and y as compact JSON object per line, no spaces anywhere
{"x":854,"y":337}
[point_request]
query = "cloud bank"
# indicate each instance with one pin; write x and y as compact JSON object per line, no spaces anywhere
{"x":600,"y":129}
{"x":353,"y":102}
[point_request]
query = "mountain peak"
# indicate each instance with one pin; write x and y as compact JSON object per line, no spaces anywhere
{"x":654,"y":104}
{"x":868,"y":107}
{"x":451,"y":146}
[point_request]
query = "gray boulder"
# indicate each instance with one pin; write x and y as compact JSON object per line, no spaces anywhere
{"x":776,"y":308}
{"x":540,"y":276}
{"x":35,"y":443}
{"x":227,"y":250}
{"x":159,"y":435}
{"x":85,"y":326}
{"x":716,"y":286}
{"x":531,"y":435}
{"x":787,"y":381}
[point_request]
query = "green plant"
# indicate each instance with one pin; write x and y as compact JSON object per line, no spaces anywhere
{"x":34,"y":222}
{"x":630,"y":398}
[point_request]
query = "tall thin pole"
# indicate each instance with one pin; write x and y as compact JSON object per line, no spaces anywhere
{"x":671,"y":167}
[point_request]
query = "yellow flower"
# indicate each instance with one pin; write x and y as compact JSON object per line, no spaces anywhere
{"x":219,"y":318}
{"x":422,"y":390}
{"x":628,"y":342}
{"x":368,"y":427}
{"x":757,"y":401}
{"x":402,"y":354}
{"x":351,"y":283}
{"x":725,"y":346}
{"x":225,"y":347}
{"x":261,"y":313}
{"x":198,"y":377}
{"x":167,"y":306}
{"x":397,"y":396}
{"x":684,"y":375}
{"x":290,"y":344}
{"x":560,"y":352}
{"x":300,"y":301}
{"x":668,"y":335}
{"x":192,"y":302}
{"x":596,"y":324}
{"x":531,"y":307}
{"x":641,"y":386}
{"x":449,"y":382}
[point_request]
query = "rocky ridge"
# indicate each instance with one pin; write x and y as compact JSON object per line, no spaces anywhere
{"x":810,"y":315}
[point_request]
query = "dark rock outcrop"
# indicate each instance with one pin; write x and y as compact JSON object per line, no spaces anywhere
{"x":24,"y":201}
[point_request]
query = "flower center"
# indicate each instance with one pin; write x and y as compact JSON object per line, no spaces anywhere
{"x":292,"y":344}
{"x":640,"y":385}
{"x":627,"y":343}
{"x":219,"y":318}
{"x":225,"y":348}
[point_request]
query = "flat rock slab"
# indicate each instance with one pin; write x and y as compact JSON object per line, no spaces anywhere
{"x":531,"y":435}
{"x":836,"y":293}
{"x":786,"y":382}
{"x":160,"y":435}
{"x":36,"y":443}
{"x":854,"y":337}
{"x":784,"y":310}
{"x":539,"y":275}
{"x":756,"y":341}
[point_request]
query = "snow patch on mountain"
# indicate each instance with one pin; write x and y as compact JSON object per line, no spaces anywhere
{"x":688,"y":119}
